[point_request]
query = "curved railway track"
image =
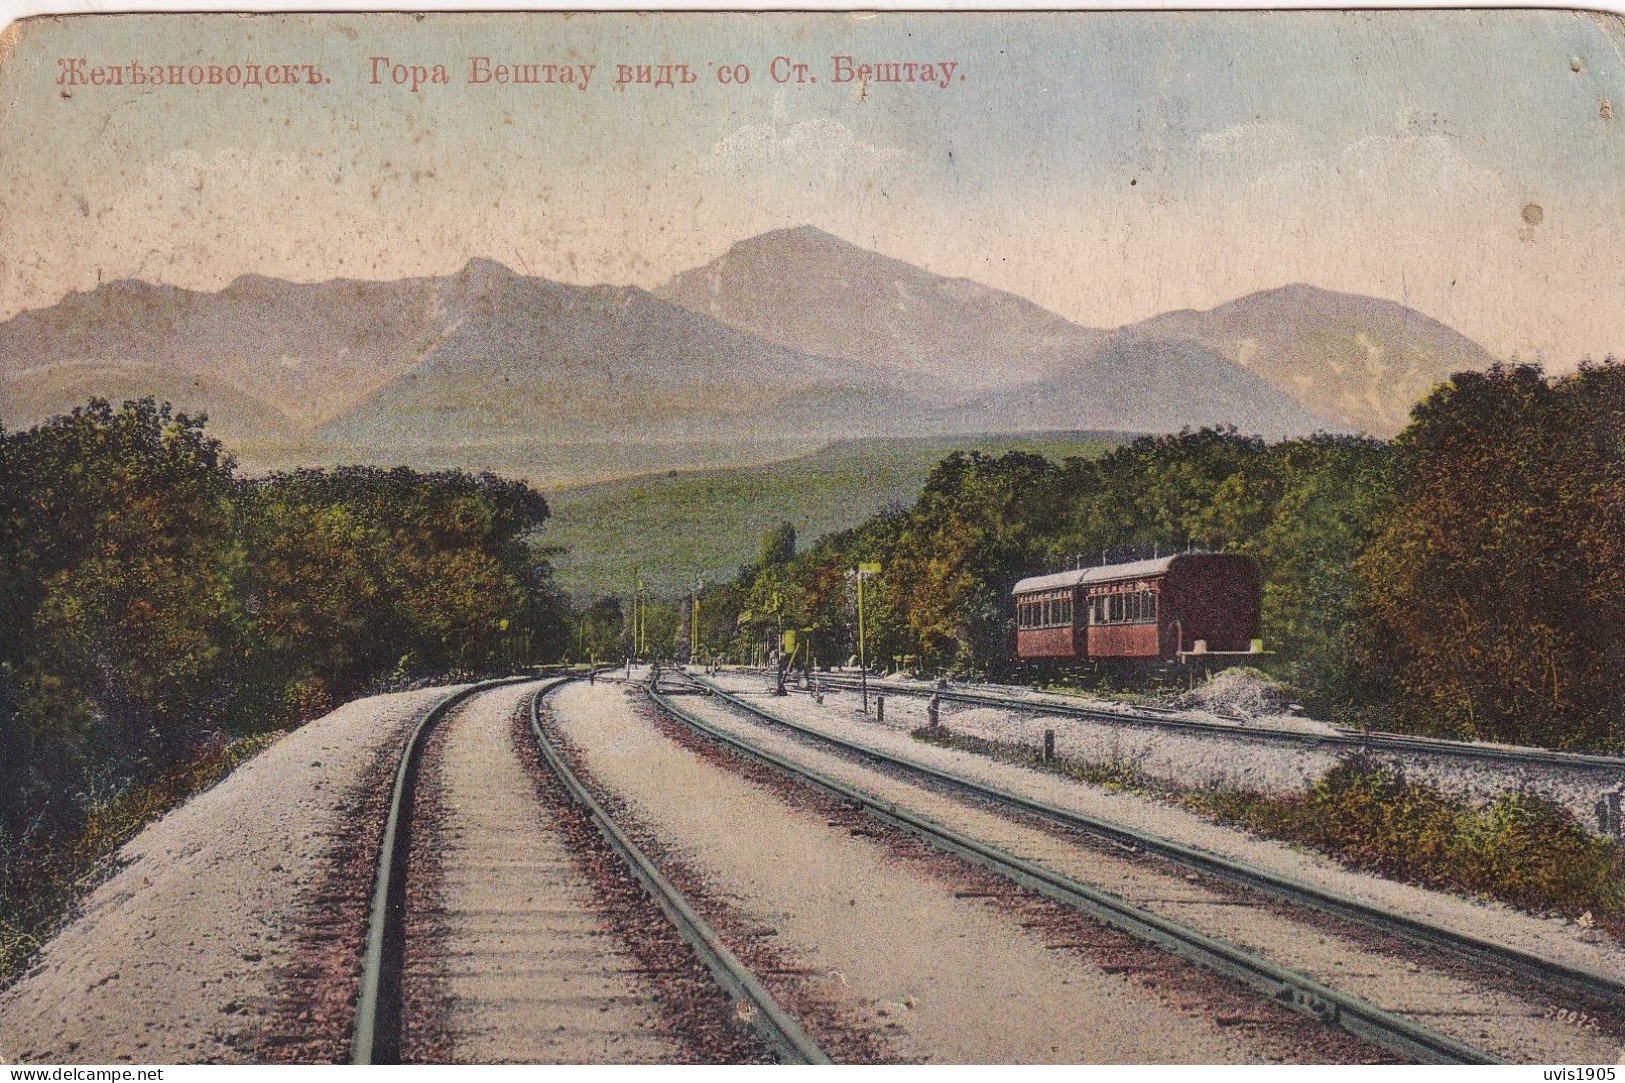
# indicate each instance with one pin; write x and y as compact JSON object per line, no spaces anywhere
{"x":1360,"y":1018}
{"x":376,"y":1036}
{"x":1353,"y":740}
{"x":1285,"y":888}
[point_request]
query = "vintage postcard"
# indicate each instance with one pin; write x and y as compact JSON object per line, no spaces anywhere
{"x":885,"y":538}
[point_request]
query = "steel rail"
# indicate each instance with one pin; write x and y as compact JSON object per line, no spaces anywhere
{"x":1282,"y":887}
{"x":1343,"y":738}
{"x":1298,"y":991}
{"x":375,"y":1035}
{"x":782,"y":1034}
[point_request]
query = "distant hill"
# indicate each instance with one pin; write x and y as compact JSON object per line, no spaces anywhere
{"x":542,"y":360}
{"x":1162,"y":385}
{"x":810,"y":291}
{"x":234,"y":417}
{"x":1310,"y":358}
{"x":1361,"y":361}
{"x":791,"y":338}
{"x":675,"y":526}
{"x":304,"y":352}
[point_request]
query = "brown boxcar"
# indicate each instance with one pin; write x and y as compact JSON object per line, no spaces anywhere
{"x":1151,"y":610}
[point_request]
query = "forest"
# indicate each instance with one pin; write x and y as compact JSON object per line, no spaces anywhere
{"x":155,"y":606}
{"x":1462,"y":580}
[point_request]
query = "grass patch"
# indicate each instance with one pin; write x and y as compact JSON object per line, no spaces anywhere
{"x":1522,"y":849}
{"x":680,"y":524}
{"x":43,"y":880}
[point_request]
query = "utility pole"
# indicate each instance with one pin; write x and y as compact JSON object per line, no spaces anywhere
{"x":694,"y":636}
{"x":864,"y":571}
{"x":778,"y":661}
{"x":638,"y":608}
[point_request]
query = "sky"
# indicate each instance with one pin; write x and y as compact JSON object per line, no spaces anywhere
{"x":1109,"y":166}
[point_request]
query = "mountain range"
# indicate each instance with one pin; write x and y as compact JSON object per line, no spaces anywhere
{"x":790,"y":334}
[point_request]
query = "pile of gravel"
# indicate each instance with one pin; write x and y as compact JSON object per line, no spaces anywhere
{"x":1244,"y":692}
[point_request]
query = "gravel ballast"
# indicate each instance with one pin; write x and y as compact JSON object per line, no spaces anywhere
{"x":1556,"y":938}
{"x":944,"y":977}
{"x":1479,"y":1009}
{"x":176,"y":957}
{"x":1228,"y":751}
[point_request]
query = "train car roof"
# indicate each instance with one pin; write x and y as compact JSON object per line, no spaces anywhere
{"x":1102,"y":573}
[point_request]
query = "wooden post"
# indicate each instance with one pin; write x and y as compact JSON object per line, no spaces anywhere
{"x":880,"y":708}
{"x":1049,"y":746}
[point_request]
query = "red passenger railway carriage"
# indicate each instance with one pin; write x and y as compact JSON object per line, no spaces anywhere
{"x":1146,"y":610}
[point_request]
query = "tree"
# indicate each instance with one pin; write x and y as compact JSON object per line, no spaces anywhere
{"x":1492,"y":583}
{"x":778,"y":546}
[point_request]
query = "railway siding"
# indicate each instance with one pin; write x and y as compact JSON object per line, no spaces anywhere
{"x":1193,"y":751}
{"x":1470,"y":1011}
{"x":1557,"y":939}
{"x":829,"y":893}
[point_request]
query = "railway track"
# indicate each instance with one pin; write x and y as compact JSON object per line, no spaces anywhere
{"x":378,"y":1028}
{"x":782,"y":1034}
{"x":375,"y":1037}
{"x":1343,"y":738}
{"x":1296,"y":892}
{"x":1408,"y":1039}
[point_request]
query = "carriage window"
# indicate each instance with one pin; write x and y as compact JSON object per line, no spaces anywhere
{"x":1116,"y":608}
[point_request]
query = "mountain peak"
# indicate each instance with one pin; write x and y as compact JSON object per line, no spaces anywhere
{"x":481,"y":267}
{"x":250,"y":283}
{"x":1361,"y":360}
{"x":809,"y":290}
{"x":803,"y":236}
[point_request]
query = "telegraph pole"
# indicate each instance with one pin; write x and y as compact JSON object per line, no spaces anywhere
{"x":638,"y":606}
{"x":694,"y":635}
{"x":778,"y":612}
{"x":865,"y":570}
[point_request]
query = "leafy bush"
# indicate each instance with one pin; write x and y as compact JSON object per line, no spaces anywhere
{"x":1521,"y":848}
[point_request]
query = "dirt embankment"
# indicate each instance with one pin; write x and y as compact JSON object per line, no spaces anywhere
{"x":176,"y":957}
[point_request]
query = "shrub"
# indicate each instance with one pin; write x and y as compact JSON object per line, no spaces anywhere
{"x":1521,"y":848}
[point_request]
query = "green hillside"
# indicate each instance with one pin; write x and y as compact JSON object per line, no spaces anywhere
{"x":708,"y":522}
